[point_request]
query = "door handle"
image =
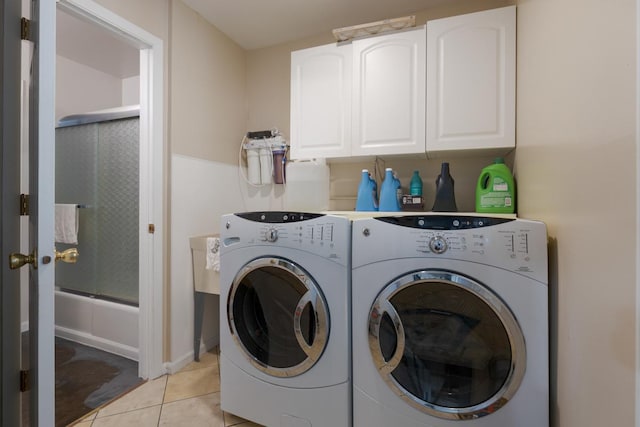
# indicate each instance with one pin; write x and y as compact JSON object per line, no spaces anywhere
{"x":375,"y":318}
{"x":17,"y":260}
{"x":70,"y":256}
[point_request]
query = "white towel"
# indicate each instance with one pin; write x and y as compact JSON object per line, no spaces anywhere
{"x":213,"y":254}
{"x":66,"y":224}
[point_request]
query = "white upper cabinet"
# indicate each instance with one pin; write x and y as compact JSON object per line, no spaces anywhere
{"x":445,"y":88}
{"x":363,"y":98}
{"x":389,"y":94}
{"x":321,"y":102}
{"x":471,"y":86}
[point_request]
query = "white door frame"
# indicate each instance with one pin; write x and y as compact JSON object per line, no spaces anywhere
{"x":151,"y":299}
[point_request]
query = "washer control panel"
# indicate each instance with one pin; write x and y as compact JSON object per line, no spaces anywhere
{"x":513,"y":244}
{"x":321,"y":234}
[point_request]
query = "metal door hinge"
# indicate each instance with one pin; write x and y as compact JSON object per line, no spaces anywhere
{"x":25,"y":29}
{"x":25,"y":381}
{"x":24,"y":204}
{"x":152,"y":228}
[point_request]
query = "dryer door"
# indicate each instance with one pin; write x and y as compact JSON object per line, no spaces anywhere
{"x":278,"y":316}
{"x":446,"y":344}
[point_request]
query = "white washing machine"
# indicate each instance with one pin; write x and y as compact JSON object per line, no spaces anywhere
{"x":450,"y":322}
{"x":285,"y":356}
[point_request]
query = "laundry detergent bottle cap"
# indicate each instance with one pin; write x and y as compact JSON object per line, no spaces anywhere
{"x":367,"y":197}
{"x":389,"y":192}
{"x":445,"y":195}
{"x":415,"y":186}
{"x":496,"y":190}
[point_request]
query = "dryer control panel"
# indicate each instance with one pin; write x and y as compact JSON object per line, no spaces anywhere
{"x":325,"y":235}
{"x":509,"y":243}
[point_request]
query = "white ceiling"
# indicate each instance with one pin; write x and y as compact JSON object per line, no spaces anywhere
{"x":252,"y":24}
{"x":256,"y":24}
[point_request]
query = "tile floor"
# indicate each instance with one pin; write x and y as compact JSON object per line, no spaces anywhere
{"x":189,"y":398}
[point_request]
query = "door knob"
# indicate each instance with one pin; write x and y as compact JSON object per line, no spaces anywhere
{"x":69,"y":256}
{"x":17,"y":260}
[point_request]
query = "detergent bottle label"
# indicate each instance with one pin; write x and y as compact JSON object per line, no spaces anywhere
{"x":500,"y":184}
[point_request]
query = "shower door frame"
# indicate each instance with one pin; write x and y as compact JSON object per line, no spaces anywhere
{"x":151,"y":202}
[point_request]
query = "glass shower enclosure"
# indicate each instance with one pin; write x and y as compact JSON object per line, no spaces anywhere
{"x":97,"y":169}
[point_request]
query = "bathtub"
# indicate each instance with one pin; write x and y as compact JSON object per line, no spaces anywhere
{"x":105,"y":325}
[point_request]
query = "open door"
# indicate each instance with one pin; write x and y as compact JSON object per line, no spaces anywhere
{"x":10,"y":211}
{"x":39,"y":378}
{"x":41,"y":213}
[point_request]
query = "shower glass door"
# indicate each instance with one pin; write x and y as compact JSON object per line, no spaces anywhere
{"x":97,"y":169}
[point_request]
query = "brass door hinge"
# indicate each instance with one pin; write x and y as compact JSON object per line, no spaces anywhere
{"x":152,"y":228}
{"x":25,"y":29}
{"x":25,"y":383}
{"x":24,"y":204}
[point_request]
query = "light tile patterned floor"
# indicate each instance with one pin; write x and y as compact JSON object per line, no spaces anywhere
{"x":189,"y":398}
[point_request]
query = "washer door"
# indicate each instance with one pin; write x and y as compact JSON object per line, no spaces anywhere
{"x":446,"y":344}
{"x":278,"y":316}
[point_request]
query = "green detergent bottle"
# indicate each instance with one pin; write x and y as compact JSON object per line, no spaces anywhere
{"x":496,"y":191}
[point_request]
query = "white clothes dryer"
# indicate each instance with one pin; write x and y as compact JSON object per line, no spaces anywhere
{"x":450,"y":322}
{"x":285,"y":322}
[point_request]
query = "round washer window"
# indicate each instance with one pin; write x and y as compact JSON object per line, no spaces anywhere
{"x":278,"y":316}
{"x":446,"y":344}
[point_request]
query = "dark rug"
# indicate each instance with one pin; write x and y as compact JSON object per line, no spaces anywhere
{"x":87,"y":378}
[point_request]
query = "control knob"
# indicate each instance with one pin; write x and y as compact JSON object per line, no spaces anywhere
{"x":438,"y":244}
{"x":271,"y":235}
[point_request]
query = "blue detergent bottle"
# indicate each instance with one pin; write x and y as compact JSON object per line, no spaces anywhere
{"x":398,"y":186}
{"x":367,"y":193}
{"x":389,"y":192}
{"x":415,"y":187}
{"x":374,"y":185}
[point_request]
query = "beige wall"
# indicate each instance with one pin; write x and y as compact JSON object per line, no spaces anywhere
{"x":208,"y":89}
{"x":576,"y":168}
{"x":151,"y":15}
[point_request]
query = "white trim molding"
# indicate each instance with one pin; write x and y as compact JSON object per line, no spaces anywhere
{"x":151,"y":297}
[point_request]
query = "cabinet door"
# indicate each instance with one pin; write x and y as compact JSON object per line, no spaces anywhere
{"x":471,"y":62}
{"x":321,"y":102}
{"x":389,"y":94}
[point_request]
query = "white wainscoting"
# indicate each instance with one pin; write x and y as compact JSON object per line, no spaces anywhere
{"x":201,"y":192}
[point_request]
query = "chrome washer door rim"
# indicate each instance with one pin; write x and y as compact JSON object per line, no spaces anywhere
{"x":313,"y":297}
{"x":382,"y":305}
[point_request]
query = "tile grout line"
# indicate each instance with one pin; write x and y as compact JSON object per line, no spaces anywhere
{"x":164,"y":394}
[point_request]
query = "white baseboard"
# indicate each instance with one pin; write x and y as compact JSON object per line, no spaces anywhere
{"x":97,"y":342}
{"x":91,"y":341}
{"x":184,"y":360}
